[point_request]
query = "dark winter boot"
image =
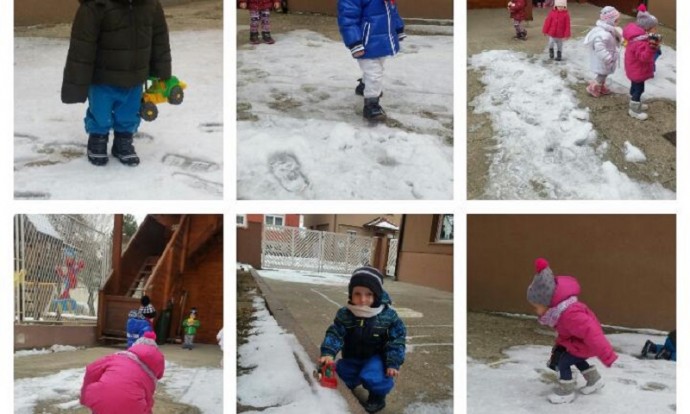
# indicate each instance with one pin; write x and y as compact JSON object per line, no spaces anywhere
{"x":663,"y":354}
{"x":523,"y":35}
{"x":647,"y":348}
{"x":123,"y":149}
{"x":266,"y":37}
{"x":594,"y":381}
{"x":558,"y":56}
{"x":254,"y":38}
{"x":372,"y":110}
{"x":375,"y":403}
{"x":97,"y":149}
{"x":550,"y":53}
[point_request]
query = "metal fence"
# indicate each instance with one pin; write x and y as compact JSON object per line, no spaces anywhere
{"x":60,"y":263}
{"x":302,"y":249}
{"x":392,"y":256}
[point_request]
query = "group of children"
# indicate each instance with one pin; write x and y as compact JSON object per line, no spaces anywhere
{"x":642,"y":47}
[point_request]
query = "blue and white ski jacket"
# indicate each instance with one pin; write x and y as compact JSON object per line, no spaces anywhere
{"x":373,"y":26}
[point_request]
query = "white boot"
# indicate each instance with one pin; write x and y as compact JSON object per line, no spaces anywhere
{"x":635,"y":111}
{"x":594,"y":381}
{"x":564,"y":393}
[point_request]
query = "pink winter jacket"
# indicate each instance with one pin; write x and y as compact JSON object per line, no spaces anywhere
{"x":639,"y":54}
{"x":117,"y":384}
{"x":579,"y":330}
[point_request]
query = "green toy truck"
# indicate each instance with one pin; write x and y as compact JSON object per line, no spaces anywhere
{"x":158,"y":91}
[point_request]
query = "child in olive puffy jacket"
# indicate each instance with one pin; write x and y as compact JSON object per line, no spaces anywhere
{"x":190,"y":326}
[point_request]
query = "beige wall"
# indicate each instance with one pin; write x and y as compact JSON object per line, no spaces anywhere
{"x":430,"y":9}
{"x":626,"y":264}
{"x":42,"y":336}
{"x":341,"y":223}
{"x":421,"y":261}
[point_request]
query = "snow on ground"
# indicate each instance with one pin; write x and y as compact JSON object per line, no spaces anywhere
{"x":181,"y":152}
{"x":534,"y":111}
{"x":200,"y":387}
{"x":633,"y":154}
{"x":521,"y":383}
{"x":298,"y":104}
{"x":276,"y":380}
{"x":296,"y":276}
{"x":53,"y":348}
{"x":443,"y":407}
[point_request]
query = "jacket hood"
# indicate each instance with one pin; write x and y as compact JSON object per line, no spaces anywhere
{"x":566,"y":286}
{"x":151,"y":356}
{"x":632,"y":30}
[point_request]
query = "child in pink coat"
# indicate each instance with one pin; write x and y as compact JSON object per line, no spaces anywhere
{"x":643,"y":45}
{"x":124,"y":382}
{"x":557,"y":27}
{"x":517,"y":13}
{"x":579,"y":333}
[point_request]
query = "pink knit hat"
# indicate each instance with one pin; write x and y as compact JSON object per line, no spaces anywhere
{"x":609,"y":14}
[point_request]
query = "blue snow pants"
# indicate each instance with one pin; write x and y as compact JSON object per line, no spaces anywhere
{"x":567,"y":360}
{"x":369,"y":372}
{"x":113,"y":107}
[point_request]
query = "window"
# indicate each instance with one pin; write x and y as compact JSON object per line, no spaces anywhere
{"x":273,"y":220}
{"x":444,"y":233}
{"x":242,"y":221}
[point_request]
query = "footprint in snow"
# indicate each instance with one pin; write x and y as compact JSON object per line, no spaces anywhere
{"x":287,"y":170}
{"x":188,"y":163}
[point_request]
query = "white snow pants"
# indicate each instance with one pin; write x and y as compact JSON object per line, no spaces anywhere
{"x":372,"y":76}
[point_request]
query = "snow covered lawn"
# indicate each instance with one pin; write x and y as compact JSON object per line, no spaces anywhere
{"x":546,"y":145}
{"x":181,"y":152}
{"x":520,"y":383}
{"x":301,"y":134}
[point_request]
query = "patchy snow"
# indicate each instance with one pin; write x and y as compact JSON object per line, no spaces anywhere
{"x":633,"y":154}
{"x":547,"y":147}
{"x":53,"y":348}
{"x":443,"y":407}
{"x":301,"y":134}
{"x":275,"y":379}
{"x":200,"y":387}
{"x":181,"y":151}
{"x":296,"y":276}
{"x":520,"y":383}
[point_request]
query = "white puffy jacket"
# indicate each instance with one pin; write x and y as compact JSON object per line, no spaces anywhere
{"x":604,"y":48}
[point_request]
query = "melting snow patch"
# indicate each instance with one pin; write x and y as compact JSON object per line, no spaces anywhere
{"x":633,"y":154}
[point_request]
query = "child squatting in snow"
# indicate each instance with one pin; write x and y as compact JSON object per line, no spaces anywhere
{"x":557,"y":27}
{"x":115,"y":46}
{"x":260,"y":11}
{"x":124,"y":382}
{"x":579,"y":332}
{"x":371,"y":337}
{"x":372,"y":30}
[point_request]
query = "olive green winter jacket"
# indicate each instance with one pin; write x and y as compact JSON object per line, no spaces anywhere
{"x":115,"y":42}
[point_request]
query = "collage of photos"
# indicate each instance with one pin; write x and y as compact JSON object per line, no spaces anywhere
{"x":348,"y":140}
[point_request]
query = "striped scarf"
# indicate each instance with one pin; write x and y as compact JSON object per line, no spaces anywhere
{"x":552,"y":315}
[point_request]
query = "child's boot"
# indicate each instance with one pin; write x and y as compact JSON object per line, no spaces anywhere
{"x":550,"y":53}
{"x":372,"y":110}
{"x":359,"y":90}
{"x":523,"y":35}
{"x":97,"y":149}
{"x":635,"y":111}
{"x":266,"y":37}
{"x":594,"y":89}
{"x":123,"y":149}
{"x":375,"y":403}
{"x":564,"y":393}
{"x":558,"y":56}
{"x":648,"y":347}
{"x":605,"y":90}
{"x":254,"y":38}
{"x":594,"y":380}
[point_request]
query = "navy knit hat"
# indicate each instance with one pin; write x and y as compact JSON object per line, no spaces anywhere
{"x":147,"y":308}
{"x":370,"y":278}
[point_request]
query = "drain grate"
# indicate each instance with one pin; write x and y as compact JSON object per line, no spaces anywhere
{"x":671,"y":137}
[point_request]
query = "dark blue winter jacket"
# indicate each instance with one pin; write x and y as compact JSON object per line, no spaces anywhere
{"x":370,"y":25}
{"x":136,"y":328}
{"x":362,"y":338}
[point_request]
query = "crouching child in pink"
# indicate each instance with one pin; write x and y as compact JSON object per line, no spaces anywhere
{"x":579,"y":332}
{"x":124,"y":382}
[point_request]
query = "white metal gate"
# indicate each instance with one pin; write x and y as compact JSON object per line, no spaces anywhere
{"x":60,"y":263}
{"x":392,"y":256}
{"x":302,"y":249}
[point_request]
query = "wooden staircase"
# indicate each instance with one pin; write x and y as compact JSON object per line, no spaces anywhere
{"x":137,"y":287}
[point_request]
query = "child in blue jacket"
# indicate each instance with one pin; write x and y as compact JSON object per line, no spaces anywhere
{"x":667,"y":350}
{"x":371,"y":337}
{"x":137,"y":326}
{"x":372,"y":30}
